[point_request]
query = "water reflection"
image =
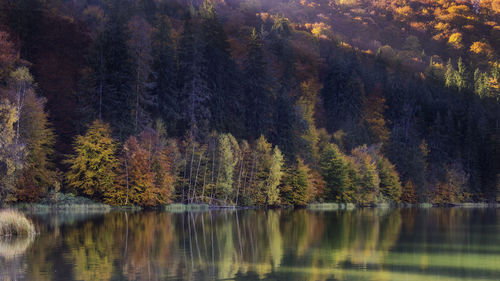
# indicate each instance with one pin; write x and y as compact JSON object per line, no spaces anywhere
{"x":407,"y":244}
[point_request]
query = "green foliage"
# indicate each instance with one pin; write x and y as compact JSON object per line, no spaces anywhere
{"x":294,"y":187}
{"x":390,"y":186}
{"x":335,"y":172}
{"x":367,"y":178}
{"x":228,"y":150}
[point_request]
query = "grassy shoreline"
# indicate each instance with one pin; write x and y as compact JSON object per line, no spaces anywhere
{"x":94,"y":207}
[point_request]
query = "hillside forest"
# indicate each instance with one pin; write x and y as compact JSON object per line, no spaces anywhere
{"x":250,"y":102}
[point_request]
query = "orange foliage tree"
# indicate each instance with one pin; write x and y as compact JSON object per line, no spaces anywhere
{"x":147,"y":172}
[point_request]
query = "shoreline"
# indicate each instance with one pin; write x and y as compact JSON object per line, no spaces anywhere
{"x":178,"y":208}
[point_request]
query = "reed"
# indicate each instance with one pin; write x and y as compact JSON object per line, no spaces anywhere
{"x":15,"y":223}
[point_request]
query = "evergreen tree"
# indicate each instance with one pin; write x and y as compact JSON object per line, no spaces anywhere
{"x":461,"y":76}
{"x":309,"y":138}
{"x":343,"y":94}
{"x":195,"y":93}
{"x":390,"y":186}
{"x":108,"y":89}
{"x":275,"y":174}
{"x":164,"y":74}
{"x":139,"y":45}
{"x":449,"y":75}
{"x":221,"y":73}
{"x":257,"y":89}
{"x":334,"y":171}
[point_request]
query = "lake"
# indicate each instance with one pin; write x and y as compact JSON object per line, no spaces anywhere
{"x":365,"y":244}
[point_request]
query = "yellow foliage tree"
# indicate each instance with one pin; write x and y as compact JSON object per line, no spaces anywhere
{"x":92,"y":169}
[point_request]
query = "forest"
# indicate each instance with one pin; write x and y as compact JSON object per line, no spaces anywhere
{"x":250,"y":102}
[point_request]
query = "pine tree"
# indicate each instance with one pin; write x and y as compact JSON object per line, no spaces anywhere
{"x":309,"y":138}
{"x":334,"y":171}
{"x":257,"y":89}
{"x":221,"y":73}
{"x":164,"y":73}
{"x":195,"y":92}
{"x":275,"y":174}
{"x":139,"y":45}
{"x":107,"y":91}
{"x":449,"y":75}
{"x":390,"y":186}
{"x":93,"y":167}
{"x":461,"y":76}
{"x":343,"y":94}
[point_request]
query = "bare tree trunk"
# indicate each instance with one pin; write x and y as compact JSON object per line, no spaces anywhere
{"x":196,"y":179}
{"x":195,"y":232}
{"x":126,"y":179}
{"x":190,"y":172}
{"x":239,"y":177}
{"x":204,"y":177}
{"x":239,"y":235}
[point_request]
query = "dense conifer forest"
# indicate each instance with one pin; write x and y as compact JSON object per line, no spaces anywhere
{"x":250,"y":102}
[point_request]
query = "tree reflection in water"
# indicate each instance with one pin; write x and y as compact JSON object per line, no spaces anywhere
{"x":366,"y":244}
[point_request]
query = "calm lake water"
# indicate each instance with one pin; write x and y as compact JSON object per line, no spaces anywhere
{"x":406,"y":244}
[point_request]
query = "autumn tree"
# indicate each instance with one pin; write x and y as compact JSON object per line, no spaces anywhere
{"x":295,"y":185}
{"x":139,"y":179}
{"x":8,"y":57}
{"x":409,"y":193}
{"x":367,"y":178}
{"x":11,"y":153}
{"x":228,"y":150}
{"x":39,"y":138}
{"x":373,"y":116}
{"x":146,"y":174}
{"x":93,"y":167}
{"x":22,"y":83}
